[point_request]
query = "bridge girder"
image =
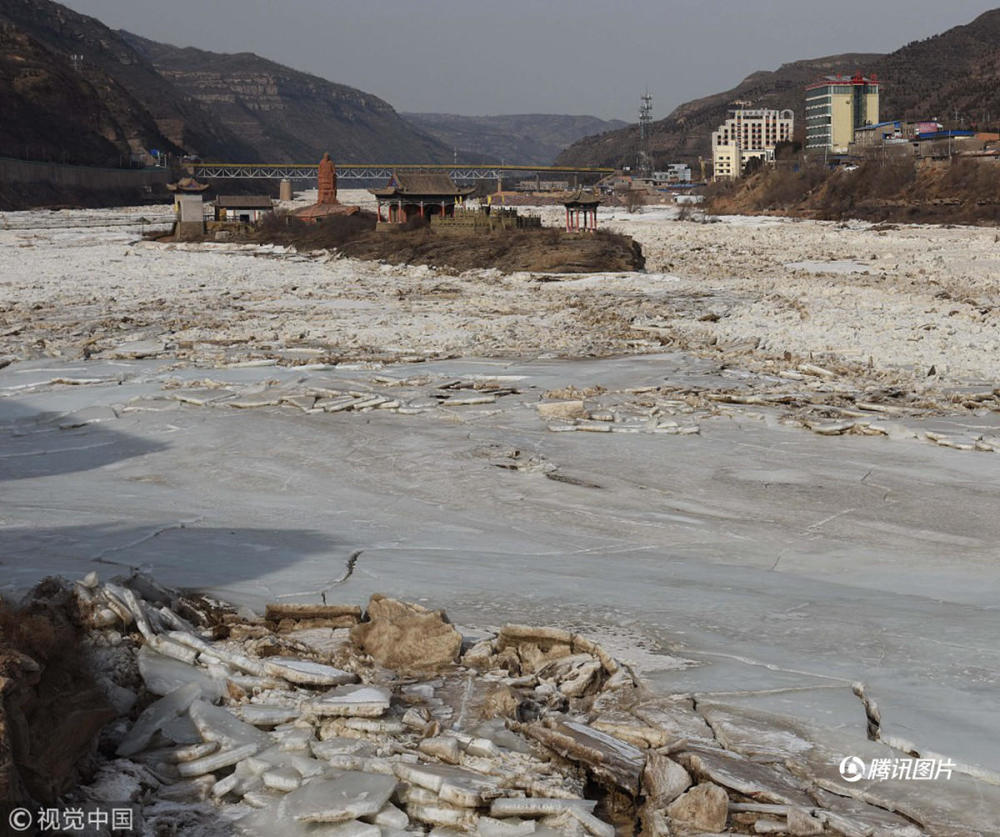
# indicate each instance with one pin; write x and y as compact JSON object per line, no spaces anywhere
{"x":368,"y":172}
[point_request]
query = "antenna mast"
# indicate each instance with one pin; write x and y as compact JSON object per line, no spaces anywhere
{"x":644,"y":162}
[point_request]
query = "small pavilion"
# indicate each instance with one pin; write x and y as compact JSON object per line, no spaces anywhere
{"x":581,"y":203}
{"x":418,"y":194}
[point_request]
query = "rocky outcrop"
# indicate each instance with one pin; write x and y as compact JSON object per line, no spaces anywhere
{"x":51,"y":709}
{"x":407,"y":636}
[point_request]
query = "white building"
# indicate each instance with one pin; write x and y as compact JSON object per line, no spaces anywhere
{"x":749,"y":133}
{"x":674,"y":173}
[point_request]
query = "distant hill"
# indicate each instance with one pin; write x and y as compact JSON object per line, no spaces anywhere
{"x":956,"y":71}
{"x":73,"y":90}
{"x":532,"y":138}
{"x":686,"y":133}
{"x":289,"y":116}
{"x":146,"y":109}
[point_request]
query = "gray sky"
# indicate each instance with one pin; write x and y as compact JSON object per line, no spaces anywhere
{"x":547,"y":56}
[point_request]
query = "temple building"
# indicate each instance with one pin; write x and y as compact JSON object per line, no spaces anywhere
{"x":418,"y":195}
{"x":242,"y":209}
{"x":189,"y":207}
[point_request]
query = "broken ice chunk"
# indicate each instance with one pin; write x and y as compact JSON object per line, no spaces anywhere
{"x":155,"y":716}
{"x":181,"y":730}
{"x":496,"y":731}
{"x":454,"y":785}
{"x":390,"y":817}
{"x":295,"y":738}
{"x":217,"y":653}
{"x":444,"y":815}
{"x":188,"y":790}
{"x":171,"y":649}
{"x":274,"y":757}
{"x":592,"y":824}
{"x":339,"y":747}
{"x":443,"y":747}
{"x":217,"y":724}
{"x":266,"y":715}
{"x":537,"y":807}
{"x":225,"y":758}
{"x":482,"y":747}
{"x":347,"y":797}
{"x":263,"y":798}
{"x":307,"y":673}
{"x":163,"y":675}
{"x":489,"y":827}
{"x":359,"y":701}
{"x":195,"y":751}
{"x":347,"y":726}
{"x":285,"y":779}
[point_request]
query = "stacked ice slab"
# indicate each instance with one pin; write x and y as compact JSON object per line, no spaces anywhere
{"x":329,"y":720}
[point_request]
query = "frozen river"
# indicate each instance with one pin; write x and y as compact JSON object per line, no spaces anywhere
{"x":760,"y":568}
{"x":754,"y":564}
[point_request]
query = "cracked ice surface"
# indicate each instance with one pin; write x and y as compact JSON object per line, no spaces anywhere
{"x":892,"y":583}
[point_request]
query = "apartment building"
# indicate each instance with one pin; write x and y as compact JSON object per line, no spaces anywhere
{"x":747,"y":134}
{"x":837,"y":106}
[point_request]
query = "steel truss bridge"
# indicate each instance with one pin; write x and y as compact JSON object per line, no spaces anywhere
{"x":377,"y":171}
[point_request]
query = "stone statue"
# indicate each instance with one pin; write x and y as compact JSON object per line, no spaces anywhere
{"x":327,"y":180}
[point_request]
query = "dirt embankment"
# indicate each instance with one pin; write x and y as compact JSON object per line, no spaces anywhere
{"x":963,"y":191}
{"x":50,"y":708}
{"x":547,"y":250}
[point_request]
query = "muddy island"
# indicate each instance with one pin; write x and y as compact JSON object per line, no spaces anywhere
{"x":506,"y":248}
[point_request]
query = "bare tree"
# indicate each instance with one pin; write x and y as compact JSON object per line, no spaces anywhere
{"x":634,"y":198}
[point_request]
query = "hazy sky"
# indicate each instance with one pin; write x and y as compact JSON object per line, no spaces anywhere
{"x":546,"y":56}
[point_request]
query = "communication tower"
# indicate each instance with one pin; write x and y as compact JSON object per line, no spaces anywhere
{"x":644,"y":164}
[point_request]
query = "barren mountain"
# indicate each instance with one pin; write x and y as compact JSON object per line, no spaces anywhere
{"x":289,"y":116}
{"x":42,"y":99}
{"x":954,"y":77}
{"x":72,"y":89}
{"x":149,"y":110}
{"x":517,"y":138}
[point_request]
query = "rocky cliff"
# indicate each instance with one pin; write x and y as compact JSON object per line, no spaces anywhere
{"x":289,"y":116}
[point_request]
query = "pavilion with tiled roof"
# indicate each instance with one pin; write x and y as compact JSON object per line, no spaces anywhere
{"x":580,"y":203}
{"x":418,"y":194}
